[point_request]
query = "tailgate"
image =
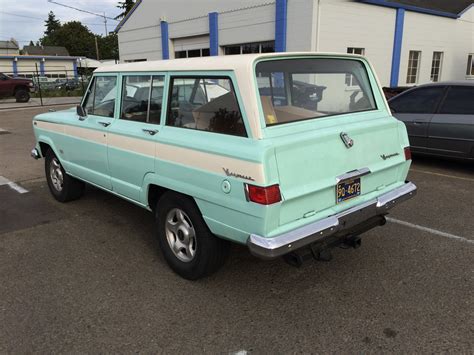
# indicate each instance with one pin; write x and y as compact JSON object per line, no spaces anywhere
{"x":310,"y":163}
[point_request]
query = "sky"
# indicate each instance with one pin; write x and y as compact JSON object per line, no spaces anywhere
{"x":24,"y":19}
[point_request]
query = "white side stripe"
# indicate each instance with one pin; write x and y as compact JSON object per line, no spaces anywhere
{"x":12,"y":185}
{"x":189,"y":157}
{"x":430,"y":230}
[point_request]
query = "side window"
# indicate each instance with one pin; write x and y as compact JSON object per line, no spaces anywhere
{"x":142,"y":98}
{"x":206,"y":104}
{"x":423,"y":100}
{"x":89,"y":100}
{"x":459,"y":101}
{"x":135,"y":97}
{"x":100,"y":99}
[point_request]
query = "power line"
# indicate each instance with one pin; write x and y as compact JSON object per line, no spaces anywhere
{"x":41,"y":19}
{"x":31,"y":17}
{"x":81,"y":10}
{"x":87,"y":12}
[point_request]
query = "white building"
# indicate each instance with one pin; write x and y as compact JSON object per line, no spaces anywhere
{"x":407,"y":44}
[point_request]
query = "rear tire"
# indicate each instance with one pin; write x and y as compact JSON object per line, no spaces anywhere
{"x":63,"y":187}
{"x":187,"y":244}
{"x":22,"y":95}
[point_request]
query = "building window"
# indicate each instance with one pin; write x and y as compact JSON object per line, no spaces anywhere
{"x":353,"y":50}
{"x":436,"y":65}
{"x":350,"y":80}
{"x":470,"y":65}
{"x":192,"y":53}
{"x":134,"y":60}
{"x":414,"y":59}
{"x":246,"y":48}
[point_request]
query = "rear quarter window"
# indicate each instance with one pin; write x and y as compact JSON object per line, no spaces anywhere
{"x":205,"y":104}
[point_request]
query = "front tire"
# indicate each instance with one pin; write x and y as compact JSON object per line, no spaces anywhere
{"x":187,"y":244}
{"x":63,"y":187}
{"x":22,"y":95}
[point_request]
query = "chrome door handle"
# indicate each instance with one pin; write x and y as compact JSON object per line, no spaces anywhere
{"x":151,"y":132}
{"x":105,"y":124}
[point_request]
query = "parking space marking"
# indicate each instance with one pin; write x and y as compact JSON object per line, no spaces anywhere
{"x":12,"y":185}
{"x":430,"y":230}
{"x":443,"y":175}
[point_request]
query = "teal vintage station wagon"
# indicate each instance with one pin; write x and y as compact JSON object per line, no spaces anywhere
{"x":287,"y":153}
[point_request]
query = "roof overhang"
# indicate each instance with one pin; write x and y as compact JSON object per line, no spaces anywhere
{"x":122,"y":22}
{"x":422,"y":10}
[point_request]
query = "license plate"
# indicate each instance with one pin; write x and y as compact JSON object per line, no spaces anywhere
{"x":347,"y":189}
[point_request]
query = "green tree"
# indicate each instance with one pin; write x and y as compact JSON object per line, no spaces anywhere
{"x":31,"y":43}
{"x":108,"y":46}
{"x":77,"y":38}
{"x":126,"y":6}
{"x":51,"y":24}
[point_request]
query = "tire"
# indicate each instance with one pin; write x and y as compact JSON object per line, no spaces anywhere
{"x":204,"y":254}
{"x":63,"y":187}
{"x":22,"y":95}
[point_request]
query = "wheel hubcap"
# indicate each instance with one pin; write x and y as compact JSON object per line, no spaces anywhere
{"x":56,"y":174}
{"x":180,"y":235}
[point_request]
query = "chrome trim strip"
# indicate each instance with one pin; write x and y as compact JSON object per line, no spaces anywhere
{"x":352,"y":174}
{"x":284,"y":243}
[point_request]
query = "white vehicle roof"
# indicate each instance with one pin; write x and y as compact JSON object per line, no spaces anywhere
{"x":227,"y":62}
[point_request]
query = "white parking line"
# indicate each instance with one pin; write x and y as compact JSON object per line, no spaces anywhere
{"x":443,"y":175}
{"x":430,"y":230}
{"x":12,"y":185}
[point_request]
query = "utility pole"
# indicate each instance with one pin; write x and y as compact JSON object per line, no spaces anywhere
{"x":96,"y":47}
{"x":105,"y":24}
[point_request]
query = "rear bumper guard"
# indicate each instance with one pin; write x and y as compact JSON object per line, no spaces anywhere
{"x":268,"y":248}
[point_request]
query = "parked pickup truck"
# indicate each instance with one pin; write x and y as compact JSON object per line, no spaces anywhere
{"x":266,"y":150}
{"x":19,"y":88}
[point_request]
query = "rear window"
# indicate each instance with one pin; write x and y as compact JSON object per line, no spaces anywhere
{"x":299,"y":89}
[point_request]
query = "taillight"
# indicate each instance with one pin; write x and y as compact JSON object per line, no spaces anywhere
{"x":264,"y":195}
{"x":407,"y":153}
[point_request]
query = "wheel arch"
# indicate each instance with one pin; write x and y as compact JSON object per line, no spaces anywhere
{"x":20,"y":87}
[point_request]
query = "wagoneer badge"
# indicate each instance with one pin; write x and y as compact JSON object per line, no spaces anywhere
{"x":348,"y":142}
{"x":387,"y":156}
{"x":237,"y":175}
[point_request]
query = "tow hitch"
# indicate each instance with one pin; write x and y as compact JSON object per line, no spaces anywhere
{"x":321,"y":250}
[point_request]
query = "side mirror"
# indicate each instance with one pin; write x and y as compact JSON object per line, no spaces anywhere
{"x":81,"y":112}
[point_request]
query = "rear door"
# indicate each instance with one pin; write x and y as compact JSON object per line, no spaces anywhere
{"x":451,"y":131}
{"x":416,"y":109}
{"x":132,"y":137}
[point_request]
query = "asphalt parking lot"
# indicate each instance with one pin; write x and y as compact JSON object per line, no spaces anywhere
{"x":87,"y":276}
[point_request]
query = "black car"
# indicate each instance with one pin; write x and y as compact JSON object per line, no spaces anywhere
{"x":68,"y":84}
{"x":439,"y":118}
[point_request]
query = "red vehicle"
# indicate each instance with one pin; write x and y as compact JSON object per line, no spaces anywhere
{"x":19,"y":88}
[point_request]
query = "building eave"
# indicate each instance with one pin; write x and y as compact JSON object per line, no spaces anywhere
{"x":122,"y":22}
{"x":412,"y":8}
{"x":35,"y":57}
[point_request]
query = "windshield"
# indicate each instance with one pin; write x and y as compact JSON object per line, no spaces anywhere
{"x":298,"y":89}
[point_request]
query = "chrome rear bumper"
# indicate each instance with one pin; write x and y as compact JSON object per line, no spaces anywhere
{"x":269,"y":248}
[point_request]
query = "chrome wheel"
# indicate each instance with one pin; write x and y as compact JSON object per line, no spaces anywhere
{"x":180,"y":235}
{"x":56,"y":174}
